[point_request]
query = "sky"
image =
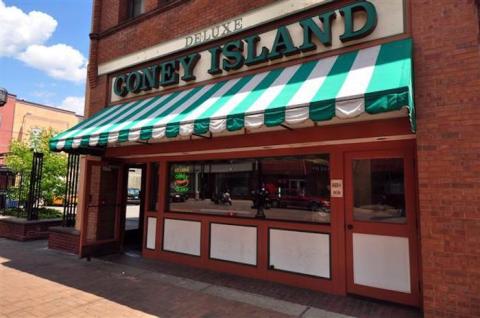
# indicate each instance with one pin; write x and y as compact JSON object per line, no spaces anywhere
{"x":44,"y":50}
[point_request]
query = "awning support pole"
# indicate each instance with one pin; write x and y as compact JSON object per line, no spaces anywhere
{"x":202,"y":136}
{"x":286,"y":127}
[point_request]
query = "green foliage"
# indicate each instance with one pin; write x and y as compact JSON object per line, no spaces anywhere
{"x":43,"y":213}
{"x":19,"y":160}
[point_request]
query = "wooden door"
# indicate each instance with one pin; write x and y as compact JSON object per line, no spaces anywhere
{"x":381,"y":232}
{"x":110,"y":200}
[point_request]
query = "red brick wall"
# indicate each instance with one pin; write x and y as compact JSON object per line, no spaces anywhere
{"x":183,"y":19}
{"x":21,"y":230}
{"x":447,"y":89}
{"x":447,"y":83}
{"x":64,"y":241}
{"x":157,"y":28}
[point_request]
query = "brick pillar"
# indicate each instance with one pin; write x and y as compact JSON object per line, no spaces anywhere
{"x":447,"y":83}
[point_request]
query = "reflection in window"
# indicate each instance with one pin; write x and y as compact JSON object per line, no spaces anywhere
{"x":294,"y":188}
{"x":379,"y":194}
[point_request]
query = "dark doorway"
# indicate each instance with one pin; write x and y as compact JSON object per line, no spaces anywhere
{"x":134,"y":207}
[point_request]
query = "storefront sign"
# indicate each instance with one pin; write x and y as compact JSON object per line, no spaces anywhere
{"x":336,"y":188}
{"x":331,"y":29}
{"x":249,"y":20}
{"x":235,"y":54}
{"x":215,"y":32}
{"x":181,"y":179}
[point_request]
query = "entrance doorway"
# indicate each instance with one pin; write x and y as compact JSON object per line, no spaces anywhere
{"x":381,"y":226}
{"x":134,"y":207}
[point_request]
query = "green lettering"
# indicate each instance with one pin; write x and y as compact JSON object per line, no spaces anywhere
{"x":150,"y":77}
{"x":134,"y":82}
{"x":169,"y":75}
{"x":119,"y":87}
{"x":348,"y":14}
{"x":233,"y":55}
{"x":252,"y":57}
{"x":310,"y":27}
{"x":282,"y":45}
{"x":188,"y":64}
{"x":215,"y":60}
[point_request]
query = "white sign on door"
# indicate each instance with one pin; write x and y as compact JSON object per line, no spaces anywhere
{"x":336,"y":188}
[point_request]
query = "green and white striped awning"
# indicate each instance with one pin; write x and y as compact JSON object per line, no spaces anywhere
{"x":372,"y":80}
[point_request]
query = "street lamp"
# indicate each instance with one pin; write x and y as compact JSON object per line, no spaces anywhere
{"x":3,"y":96}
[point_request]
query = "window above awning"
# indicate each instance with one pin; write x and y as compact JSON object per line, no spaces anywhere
{"x":372,"y":80}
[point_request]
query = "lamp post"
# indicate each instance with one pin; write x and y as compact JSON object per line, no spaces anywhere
{"x":3,"y":96}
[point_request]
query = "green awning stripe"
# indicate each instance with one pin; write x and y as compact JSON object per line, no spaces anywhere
{"x":275,"y":111}
{"x":146,"y":131}
{"x":124,"y":132}
{"x":84,"y":124}
{"x":234,"y":121}
{"x":202,"y":124}
{"x":138,"y":111}
{"x":94,"y":121}
{"x":173,"y":127}
{"x":335,"y":79}
{"x":373,"y":80}
{"x":104,"y":130}
{"x":107,"y":123}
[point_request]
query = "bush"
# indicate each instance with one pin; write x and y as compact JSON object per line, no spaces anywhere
{"x":43,"y":213}
{"x":19,"y":161}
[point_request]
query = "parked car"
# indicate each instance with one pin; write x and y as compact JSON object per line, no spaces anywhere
{"x":133,"y":196}
{"x":297,"y":200}
{"x":178,"y":197}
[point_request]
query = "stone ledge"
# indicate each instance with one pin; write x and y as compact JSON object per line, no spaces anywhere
{"x":65,"y":239}
{"x":63,"y":229}
{"x":23,"y":230}
{"x":14,"y":219}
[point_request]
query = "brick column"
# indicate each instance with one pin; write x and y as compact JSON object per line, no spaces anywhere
{"x":447,"y":82}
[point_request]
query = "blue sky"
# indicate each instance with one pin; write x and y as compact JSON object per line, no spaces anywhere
{"x":44,"y":50}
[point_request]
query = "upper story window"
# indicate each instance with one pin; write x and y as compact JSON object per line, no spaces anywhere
{"x":135,"y":8}
{"x":168,"y":3}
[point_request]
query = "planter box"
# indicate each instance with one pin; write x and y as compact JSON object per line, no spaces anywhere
{"x":23,"y":230}
{"x":66,"y":239}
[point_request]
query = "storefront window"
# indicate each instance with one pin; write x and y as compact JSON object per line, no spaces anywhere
{"x":287,"y":188}
{"x":379,"y":190}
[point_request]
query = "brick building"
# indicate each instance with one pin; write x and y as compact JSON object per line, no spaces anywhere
{"x":18,"y":119}
{"x":331,"y":145}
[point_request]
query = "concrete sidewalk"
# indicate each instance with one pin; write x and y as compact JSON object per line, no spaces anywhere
{"x":37,"y":282}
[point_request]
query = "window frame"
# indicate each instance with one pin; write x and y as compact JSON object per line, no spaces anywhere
{"x":205,"y":161}
{"x":131,"y":9}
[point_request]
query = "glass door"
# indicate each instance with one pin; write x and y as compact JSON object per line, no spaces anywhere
{"x":381,"y":226}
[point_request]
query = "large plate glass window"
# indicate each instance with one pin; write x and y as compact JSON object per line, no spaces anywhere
{"x":290,"y":188}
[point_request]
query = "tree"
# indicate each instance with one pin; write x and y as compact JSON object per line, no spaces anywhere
{"x":19,"y":160}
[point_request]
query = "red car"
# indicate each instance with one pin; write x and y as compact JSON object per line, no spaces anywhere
{"x":298,"y":200}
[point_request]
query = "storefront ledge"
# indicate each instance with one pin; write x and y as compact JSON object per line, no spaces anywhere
{"x":65,"y":239}
{"x":23,"y":230}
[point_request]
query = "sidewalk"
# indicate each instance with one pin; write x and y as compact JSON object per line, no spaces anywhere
{"x":37,"y":282}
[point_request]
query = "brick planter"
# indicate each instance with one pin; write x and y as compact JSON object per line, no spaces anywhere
{"x":64,"y":238}
{"x":22,"y":230}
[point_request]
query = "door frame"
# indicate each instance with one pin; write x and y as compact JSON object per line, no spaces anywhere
{"x":124,"y":197}
{"x":409,"y":230}
{"x":107,"y":246}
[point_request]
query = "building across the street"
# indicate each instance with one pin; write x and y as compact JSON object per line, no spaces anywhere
{"x":18,"y":120}
{"x":330,"y":145}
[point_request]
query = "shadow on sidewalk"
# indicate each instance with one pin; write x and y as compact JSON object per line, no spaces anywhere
{"x":137,"y":283}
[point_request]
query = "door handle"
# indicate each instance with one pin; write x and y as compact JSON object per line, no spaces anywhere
{"x":349,"y":227}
